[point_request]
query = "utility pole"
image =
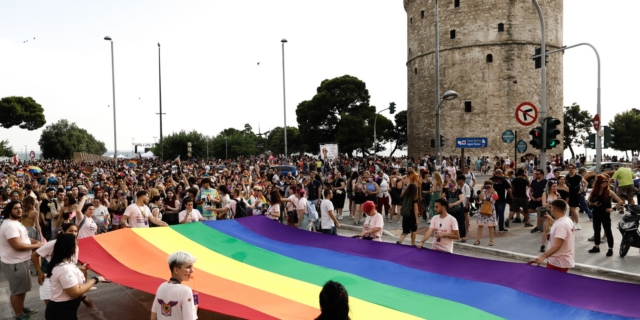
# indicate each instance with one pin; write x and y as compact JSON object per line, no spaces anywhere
{"x":543,"y":86}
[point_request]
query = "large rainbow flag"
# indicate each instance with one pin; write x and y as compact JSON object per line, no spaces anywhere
{"x":255,"y":268}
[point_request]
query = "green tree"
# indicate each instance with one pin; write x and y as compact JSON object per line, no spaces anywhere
{"x":340,"y":112}
{"x":237,"y":143}
{"x":176,"y":144}
{"x":23,"y":112}
{"x":276,"y":141}
{"x":5,"y":149}
{"x":626,"y":126}
{"x":577,"y":124}
{"x":61,"y":139}
{"x":400,"y":131}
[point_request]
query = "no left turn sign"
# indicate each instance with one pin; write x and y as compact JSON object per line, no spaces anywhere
{"x":526,"y":113}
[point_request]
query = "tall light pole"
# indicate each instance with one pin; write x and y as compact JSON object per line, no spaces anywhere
{"x":284,"y":99}
{"x":437,"y":100}
{"x":449,"y":95}
{"x":160,"y":90}
{"x":113,"y":84}
{"x":543,"y":86}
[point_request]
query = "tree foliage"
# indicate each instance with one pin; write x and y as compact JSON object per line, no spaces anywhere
{"x":577,"y":125}
{"x":400,"y":131}
{"x":294,"y":143}
{"x":237,"y":143}
{"x":340,"y":112}
{"x":626,"y":126}
{"x":61,"y":139}
{"x":176,"y":144}
{"x":5,"y":149}
{"x":23,"y":112}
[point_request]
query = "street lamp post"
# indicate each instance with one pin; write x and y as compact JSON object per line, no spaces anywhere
{"x":160,"y":114}
{"x":449,"y":95}
{"x":226,"y":153}
{"x":284,"y":99}
{"x":543,"y":86}
{"x":113,"y":84}
{"x":375,"y":141}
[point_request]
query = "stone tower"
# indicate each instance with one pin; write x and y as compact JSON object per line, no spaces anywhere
{"x":485,"y":56}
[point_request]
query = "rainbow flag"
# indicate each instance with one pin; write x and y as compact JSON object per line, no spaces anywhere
{"x":255,"y":268}
{"x":132,"y":163}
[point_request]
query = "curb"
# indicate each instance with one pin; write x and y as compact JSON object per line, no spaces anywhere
{"x":633,"y":277}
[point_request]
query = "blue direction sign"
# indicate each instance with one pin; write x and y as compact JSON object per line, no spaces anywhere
{"x":471,"y":143}
{"x":508,"y":136}
{"x":521,"y":146}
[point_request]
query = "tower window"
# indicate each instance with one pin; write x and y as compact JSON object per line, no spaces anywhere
{"x":410,"y":20}
{"x":500,"y":27}
{"x":415,"y":70}
{"x":489,"y":58}
{"x":467,"y":106}
{"x":452,"y":34}
{"x":456,"y":3}
{"x":422,"y":14}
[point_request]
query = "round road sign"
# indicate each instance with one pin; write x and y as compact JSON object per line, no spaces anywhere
{"x":521,"y":146}
{"x":526,"y":113}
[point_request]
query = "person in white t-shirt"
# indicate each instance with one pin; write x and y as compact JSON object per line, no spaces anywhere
{"x":444,"y":227}
{"x":230,"y":209}
{"x":68,"y":283}
{"x":88,"y":228}
{"x":373,"y":223}
{"x":138,"y":215}
{"x":174,"y":300}
{"x":328,"y":221}
{"x":189,"y":214}
{"x":100,"y":214}
{"x":561,"y":253}
{"x":273,"y":212}
{"x":15,"y":253}
{"x":301,"y":209}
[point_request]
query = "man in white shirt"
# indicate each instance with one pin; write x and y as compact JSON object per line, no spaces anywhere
{"x":189,"y":214}
{"x":445,"y":227}
{"x":15,"y":253}
{"x":138,"y":215}
{"x":328,"y":221}
{"x":561,"y":254}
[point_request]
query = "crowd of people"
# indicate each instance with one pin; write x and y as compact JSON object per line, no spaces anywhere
{"x":58,"y":202}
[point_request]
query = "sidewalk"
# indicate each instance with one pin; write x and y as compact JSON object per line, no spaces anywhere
{"x":520,"y":244}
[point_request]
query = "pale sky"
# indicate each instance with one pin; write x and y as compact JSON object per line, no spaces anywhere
{"x":210,"y":51}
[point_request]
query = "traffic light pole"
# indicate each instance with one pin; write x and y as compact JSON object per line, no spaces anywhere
{"x":375,"y":141}
{"x":543,"y":87}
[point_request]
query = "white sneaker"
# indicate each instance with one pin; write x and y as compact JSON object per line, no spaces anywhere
{"x":93,"y":288}
{"x":340,"y":217}
{"x":577,"y":226}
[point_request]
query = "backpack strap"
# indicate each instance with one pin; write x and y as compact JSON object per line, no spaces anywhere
{"x":82,"y":222}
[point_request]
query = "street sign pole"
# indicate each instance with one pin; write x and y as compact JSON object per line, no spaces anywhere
{"x":515,"y":149}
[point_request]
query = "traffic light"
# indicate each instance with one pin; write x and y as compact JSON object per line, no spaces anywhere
{"x":608,"y":137}
{"x":591,"y":141}
{"x":441,"y":140}
{"x":536,"y":137}
{"x":392,"y":107}
{"x":552,"y":132}
{"x":538,"y":60}
{"x":433,"y":143}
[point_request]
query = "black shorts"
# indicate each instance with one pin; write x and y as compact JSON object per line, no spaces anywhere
{"x":519,"y":203}
{"x":409,"y":225}
{"x":574,"y":200}
{"x":533,"y":205}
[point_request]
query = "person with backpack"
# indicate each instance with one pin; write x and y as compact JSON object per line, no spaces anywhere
{"x":236,"y":208}
{"x":409,"y":213}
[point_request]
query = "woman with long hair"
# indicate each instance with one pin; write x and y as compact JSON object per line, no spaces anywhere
{"x":273,"y":212}
{"x":68,"y":284}
{"x":359,"y":198}
{"x":119,"y":203}
{"x":31,"y":218}
{"x":436,"y":190}
{"x":410,"y":218}
{"x":334,"y":302}
{"x":68,"y":210}
{"x":600,"y":199}
{"x":172,"y":208}
{"x":547,"y":197}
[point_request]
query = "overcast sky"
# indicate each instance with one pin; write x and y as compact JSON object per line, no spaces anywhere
{"x":211,"y":79}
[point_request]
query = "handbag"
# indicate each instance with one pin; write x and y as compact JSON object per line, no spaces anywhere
{"x":486,"y":210}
